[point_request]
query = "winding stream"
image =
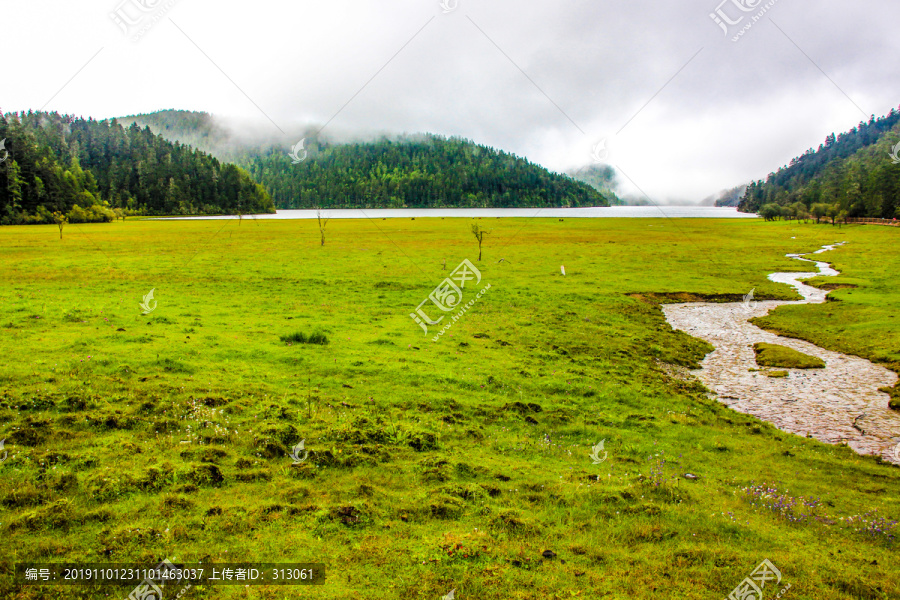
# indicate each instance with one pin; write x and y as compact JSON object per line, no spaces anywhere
{"x":840,"y":403}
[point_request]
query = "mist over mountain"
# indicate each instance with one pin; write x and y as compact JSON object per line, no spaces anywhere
{"x":729,"y":197}
{"x":601,"y":177}
{"x":416,"y":171}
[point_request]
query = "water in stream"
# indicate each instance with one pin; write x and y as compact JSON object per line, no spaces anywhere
{"x":840,"y":403}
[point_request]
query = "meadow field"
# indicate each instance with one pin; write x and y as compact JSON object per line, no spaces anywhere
{"x":462,"y":463}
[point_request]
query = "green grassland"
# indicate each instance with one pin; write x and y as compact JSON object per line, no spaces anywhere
{"x":774,"y":355}
{"x":432,"y":465}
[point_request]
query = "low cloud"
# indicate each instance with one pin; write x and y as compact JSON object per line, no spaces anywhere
{"x":691,"y":112}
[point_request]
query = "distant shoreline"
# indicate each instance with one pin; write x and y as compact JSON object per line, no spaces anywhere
{"x":600,"y":212}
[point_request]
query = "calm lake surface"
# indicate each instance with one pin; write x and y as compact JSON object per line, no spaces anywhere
{"x":618,"y":212}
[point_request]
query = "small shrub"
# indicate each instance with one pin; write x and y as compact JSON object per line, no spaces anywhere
{"x":25,"y":496}
{"x":174,"y":502}
{"x":174,"y":366}
{"x":286,"y":434}
{"x":110,"y":421}
{"x":215,"y":402}
{"x":270,"y":449}
{"x":348,"y":515}
{"x":467,"y":493}
{"x":212,"y":455}
{"x":251,"y":476}
{"x":155,"y":477}
{"x":491,"y":490}
{"x":101,"y":515}
{"x":205,"y":474}
{"x":37,"y":403}
{"x":446,"y":507}
{"x":317,"y":337}
{"x":303,"y":471}
{"x":30,"y":435}
{"x":74,"y":316}
{"x":57,"y":515}
{"x":423,"y":442}
{"x":434,"y":469}
{"x":512,"y":521}
{"x":74,"y":404}
{"x":294,"y":338}
{"x":464,"y":470}
{"x":63,"y":482}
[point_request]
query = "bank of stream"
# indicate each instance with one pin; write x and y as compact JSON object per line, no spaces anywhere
{"x":837,"y":404}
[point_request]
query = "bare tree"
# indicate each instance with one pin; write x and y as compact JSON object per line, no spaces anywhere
{"x":323,"y":221}
{"x":479,"y":235}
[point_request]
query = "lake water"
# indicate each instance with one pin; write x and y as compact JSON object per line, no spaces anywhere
{"x":629,"y":212}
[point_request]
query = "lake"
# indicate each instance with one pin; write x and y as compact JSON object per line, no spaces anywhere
{"x":618,"y":212}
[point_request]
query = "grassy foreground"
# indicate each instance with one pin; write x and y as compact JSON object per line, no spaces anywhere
{"x":432,"y":465}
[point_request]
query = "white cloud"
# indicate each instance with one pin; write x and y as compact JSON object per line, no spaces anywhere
{"x":736,"y":112}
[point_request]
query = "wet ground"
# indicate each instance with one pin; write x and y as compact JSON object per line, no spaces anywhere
{"x":840,"y":403}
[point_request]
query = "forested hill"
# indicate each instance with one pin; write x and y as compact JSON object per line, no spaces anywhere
{"x":423,"y":171}
{"x":86,"y":169}
{"x":852,"y":174}
{"x":196,"y":129}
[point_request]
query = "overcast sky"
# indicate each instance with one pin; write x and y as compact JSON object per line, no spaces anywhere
{"x":695,"y":112}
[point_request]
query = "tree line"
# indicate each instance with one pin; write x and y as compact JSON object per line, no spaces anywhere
{"x":852,"y":175}
{"x":89,"y":170}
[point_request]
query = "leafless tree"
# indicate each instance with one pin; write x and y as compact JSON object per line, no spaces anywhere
{"x":479,"y":235}
{"x":323,"y":221}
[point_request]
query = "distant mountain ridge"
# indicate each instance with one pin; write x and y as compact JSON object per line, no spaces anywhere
{"x":853,"y":174}
{"x":414,"y":171}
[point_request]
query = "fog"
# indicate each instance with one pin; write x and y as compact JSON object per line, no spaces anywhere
{"x":685,"y":110}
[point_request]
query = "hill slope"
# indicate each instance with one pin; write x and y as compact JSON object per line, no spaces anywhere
{"x":86,"y":168}
{"x":730,"y":197}
{"x":852,"y":173}
{"x":422,"y":171}
{"x":601,"y":177}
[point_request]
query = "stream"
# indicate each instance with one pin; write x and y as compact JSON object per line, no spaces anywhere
{"x":840,"y":403}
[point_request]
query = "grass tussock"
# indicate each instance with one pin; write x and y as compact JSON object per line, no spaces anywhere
{"x":773,"y":355}
{"x":298,"y":337}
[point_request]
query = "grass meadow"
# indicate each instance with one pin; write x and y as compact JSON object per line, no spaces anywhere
{"x":432,"y":465}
